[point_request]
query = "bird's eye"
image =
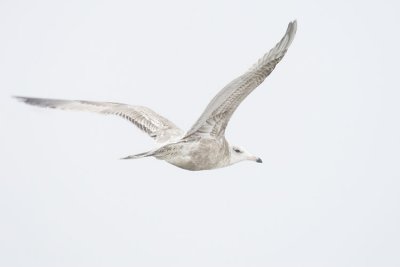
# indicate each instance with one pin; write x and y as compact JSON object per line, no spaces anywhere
{"x":237,"y":150}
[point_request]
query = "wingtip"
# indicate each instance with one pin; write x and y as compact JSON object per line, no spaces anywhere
{"x":19,"y":98}
{"x":291,"y":31}
{"x":293,"y":25}
{"x":27,"y":100}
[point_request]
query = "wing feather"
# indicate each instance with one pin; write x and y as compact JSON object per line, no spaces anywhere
{"x":144,"y":118}
{"x":217,"y":114}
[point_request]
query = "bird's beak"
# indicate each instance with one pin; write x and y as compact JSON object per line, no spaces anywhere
{"x":256,"y":159}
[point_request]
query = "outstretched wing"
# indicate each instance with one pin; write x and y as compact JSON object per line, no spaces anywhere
{"x":144,"y":118}
{"x":216,"y":116}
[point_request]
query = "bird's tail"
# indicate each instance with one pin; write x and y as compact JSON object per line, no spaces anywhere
{"x":140,"y":155}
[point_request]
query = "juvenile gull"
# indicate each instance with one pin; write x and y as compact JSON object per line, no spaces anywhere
{"x":204,"y":146}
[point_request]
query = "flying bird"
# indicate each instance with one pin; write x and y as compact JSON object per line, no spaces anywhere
{"x":204,"y":146}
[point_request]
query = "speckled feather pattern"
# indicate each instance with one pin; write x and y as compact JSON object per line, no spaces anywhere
{"x":204,"y":146}
{"x":217,"y":114}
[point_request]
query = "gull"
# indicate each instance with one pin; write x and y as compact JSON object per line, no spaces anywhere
{"x":204,"y":146}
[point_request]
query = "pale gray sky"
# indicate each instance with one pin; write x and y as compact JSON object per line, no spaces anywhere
{"x":326,"y":124}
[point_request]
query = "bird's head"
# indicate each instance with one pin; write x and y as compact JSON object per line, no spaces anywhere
{"x":238,"y":154}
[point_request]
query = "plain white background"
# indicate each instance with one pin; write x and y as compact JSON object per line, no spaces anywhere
{"x":325,"y":123}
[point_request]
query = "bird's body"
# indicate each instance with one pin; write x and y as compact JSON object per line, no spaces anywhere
{"x":195,"y":155}
{"x":204,"y":146}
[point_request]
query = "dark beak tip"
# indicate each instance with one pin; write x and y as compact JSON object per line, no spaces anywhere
{"x":259,"y":160}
